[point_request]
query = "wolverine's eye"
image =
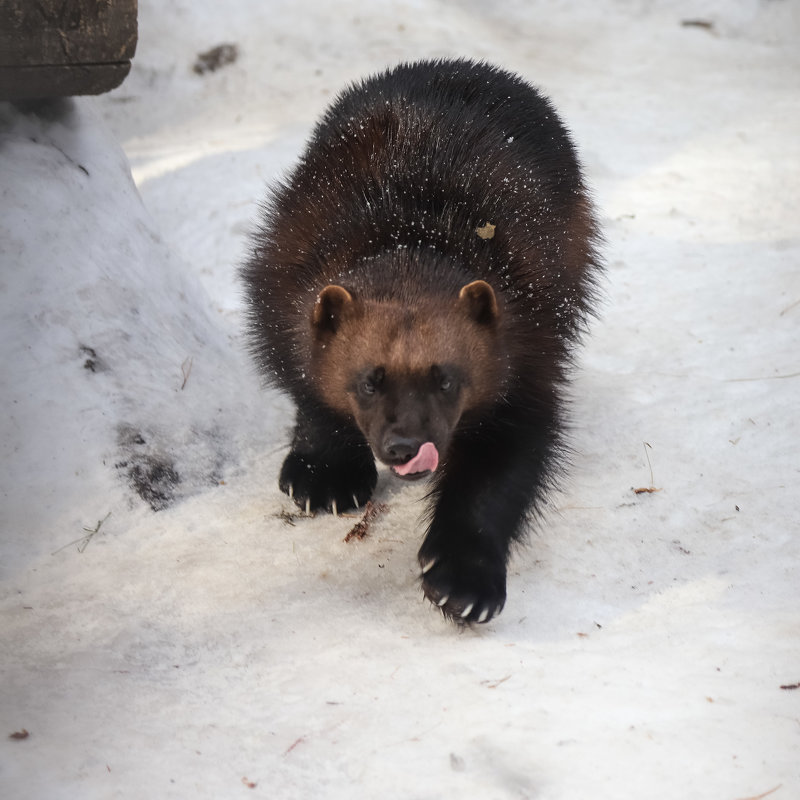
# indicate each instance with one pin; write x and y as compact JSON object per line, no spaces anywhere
{"x":444,"y":381}
{"x":370,"y":383}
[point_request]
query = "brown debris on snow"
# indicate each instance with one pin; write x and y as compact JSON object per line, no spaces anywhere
{"x":371,"y":513}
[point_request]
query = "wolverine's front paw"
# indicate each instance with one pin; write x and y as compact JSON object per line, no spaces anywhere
{"x":333,"y":483}
{"x":467,"y":587}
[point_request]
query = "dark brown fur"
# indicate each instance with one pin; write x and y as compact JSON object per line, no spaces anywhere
{"x":374,"y":302}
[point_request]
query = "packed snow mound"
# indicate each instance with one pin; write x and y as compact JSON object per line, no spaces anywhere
{"x":121,"y":380}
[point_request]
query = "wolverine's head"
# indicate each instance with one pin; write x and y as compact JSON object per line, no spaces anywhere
{"x":407,"y":372}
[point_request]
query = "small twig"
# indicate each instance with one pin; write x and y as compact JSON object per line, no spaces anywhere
{"x":645,"y":445}
{"x":647,"y":489}
{"x":91,"y":532}
{"x":765,"y":378}
{"x":789,"y":307}
{"x":292,"y":746}
{"x":288,"y":517}
{"x":371,"y":513}
{"x":495,"y":684}
{"x":760,"y":796}
{"x":83,"y":542}
{"x":705,"y":24}
{"x":186,"y":370}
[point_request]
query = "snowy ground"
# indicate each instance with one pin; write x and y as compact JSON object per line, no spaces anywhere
{"x":199,"y":645}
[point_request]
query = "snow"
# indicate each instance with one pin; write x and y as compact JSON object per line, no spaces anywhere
{"x":213,"y":644}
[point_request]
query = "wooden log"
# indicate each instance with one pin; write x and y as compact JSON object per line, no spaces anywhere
{"x":54,"y":48}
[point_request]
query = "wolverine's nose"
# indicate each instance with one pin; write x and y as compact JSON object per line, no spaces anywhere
{"x":399,"y":448}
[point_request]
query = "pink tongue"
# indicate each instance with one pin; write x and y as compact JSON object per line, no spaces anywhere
{"x":426,"y":460}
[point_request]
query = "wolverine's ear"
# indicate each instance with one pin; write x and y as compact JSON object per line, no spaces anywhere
{"x":478,"y":299}
{"x":330,"y":309}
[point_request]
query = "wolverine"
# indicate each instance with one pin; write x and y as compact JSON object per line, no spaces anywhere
{"x":417,"y":285}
